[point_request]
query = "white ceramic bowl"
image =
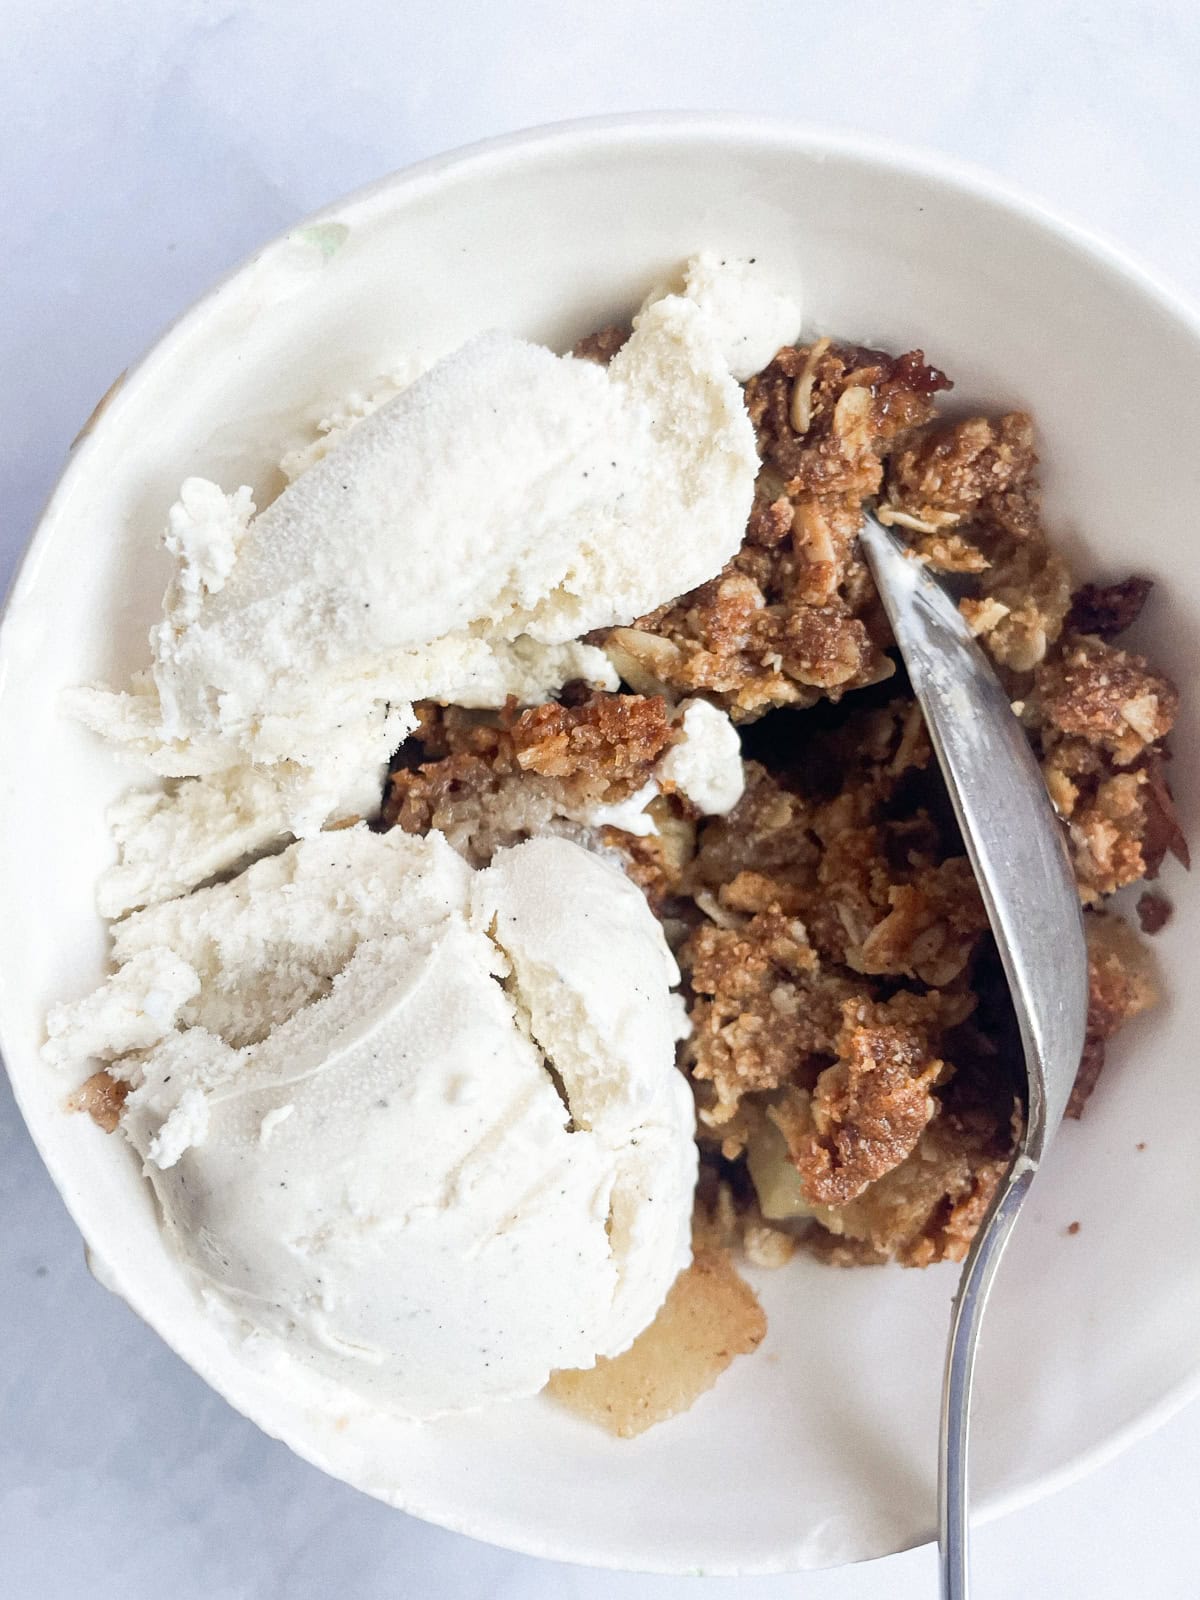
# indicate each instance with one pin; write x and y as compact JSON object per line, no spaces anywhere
{"x":820,"y":1448}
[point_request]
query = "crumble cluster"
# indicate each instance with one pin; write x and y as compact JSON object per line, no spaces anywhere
{"x":490,"y":779}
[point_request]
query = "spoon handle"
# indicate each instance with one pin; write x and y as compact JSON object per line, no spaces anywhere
{"x":973,"y":1289}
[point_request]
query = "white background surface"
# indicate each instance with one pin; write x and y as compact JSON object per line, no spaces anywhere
{"x":143,"y":150}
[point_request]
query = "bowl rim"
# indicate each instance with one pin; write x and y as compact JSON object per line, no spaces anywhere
{"x":564,"y":139}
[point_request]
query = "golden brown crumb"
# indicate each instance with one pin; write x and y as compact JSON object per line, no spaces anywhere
{"x":611,"y":739}
{"x":825,"y":413}
{"x":710,"y":1317}
{"x":1026,"y":590}
{"x":1120,"y":986}
{"x":1100,"y":716}
{"x":767,"y":1247}
{"x":929,"y":1207}
{"x":1110,"y":698}
{"x":866,"y":1112}
{"x":103,"y":1097}
{"x":602,"y":345}
{"x":758,"y":1017}
{"x":977,"y":472}
{"x":1154,"y":912}
{"x":487,"y":780}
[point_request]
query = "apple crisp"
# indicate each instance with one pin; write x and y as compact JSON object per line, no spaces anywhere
{"x":853,"y":1052}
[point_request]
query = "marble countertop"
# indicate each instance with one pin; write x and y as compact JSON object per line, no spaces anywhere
{"x":144,"y":150}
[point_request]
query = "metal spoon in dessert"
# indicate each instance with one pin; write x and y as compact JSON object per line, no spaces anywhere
{"x":1017,"y":849}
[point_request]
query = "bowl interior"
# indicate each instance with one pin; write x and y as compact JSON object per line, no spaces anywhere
{"x":821,"y":1448}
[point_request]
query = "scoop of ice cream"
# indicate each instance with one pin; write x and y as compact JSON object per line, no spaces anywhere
{"x":419,"y":1128}
{"x":749,"y":325}
{"x":453,"y":544}
{"x":269,"y":941}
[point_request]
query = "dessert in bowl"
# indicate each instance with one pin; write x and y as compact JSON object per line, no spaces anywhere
{"x":762,"y":905}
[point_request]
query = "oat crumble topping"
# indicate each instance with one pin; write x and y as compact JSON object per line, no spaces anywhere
{"x":853,"y":1052}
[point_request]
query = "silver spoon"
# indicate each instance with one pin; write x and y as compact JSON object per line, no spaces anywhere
{"x":1016,"y":847}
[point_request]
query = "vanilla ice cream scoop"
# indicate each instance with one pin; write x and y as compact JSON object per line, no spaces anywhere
{"x":460,"y":1161}
{"x":454,"y":544}
{"x":507,"y":494}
